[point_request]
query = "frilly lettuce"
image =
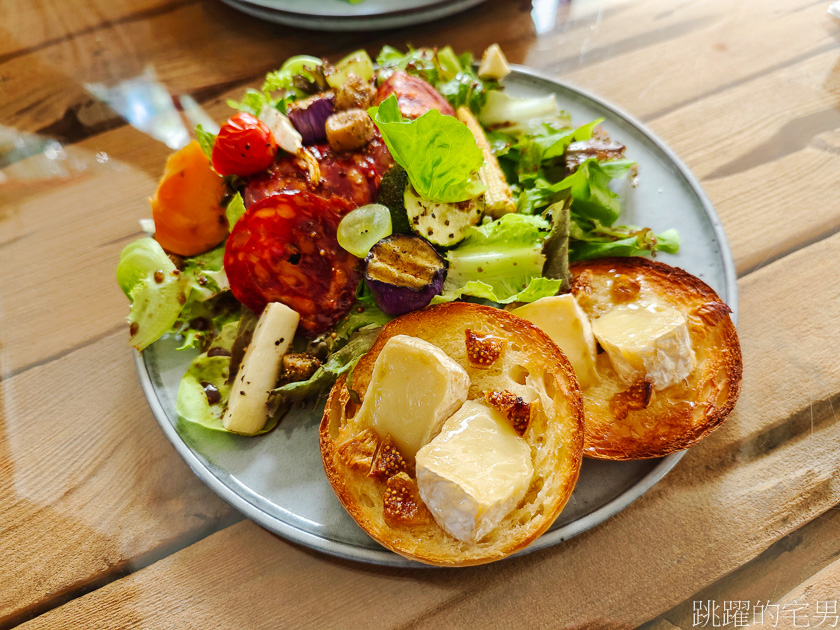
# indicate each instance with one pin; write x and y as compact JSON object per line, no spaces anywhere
{"x":438,"y":152}
{"x":193,"y":303}
{"x":156,"y":291}
{"x":452,"y":75}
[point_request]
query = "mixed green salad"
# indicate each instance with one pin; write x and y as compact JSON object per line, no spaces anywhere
{"x":357,"y":192}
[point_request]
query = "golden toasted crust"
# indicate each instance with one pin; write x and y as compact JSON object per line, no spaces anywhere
{"x":677,"y":416}
{"x":531,"y":366}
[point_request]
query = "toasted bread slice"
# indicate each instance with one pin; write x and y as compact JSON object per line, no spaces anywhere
{"x":530,"y":366}
{"x":677,"y":416}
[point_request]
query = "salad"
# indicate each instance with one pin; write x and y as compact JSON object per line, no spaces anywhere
{"x":339,"y":197}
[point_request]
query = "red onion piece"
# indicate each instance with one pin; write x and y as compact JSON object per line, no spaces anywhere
{"x":309,"y":116}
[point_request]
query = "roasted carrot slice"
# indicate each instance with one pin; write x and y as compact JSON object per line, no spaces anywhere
{"x":187,"y":207}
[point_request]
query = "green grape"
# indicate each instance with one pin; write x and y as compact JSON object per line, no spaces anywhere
{"x":362,"y":228}
{"x":358,"y":63}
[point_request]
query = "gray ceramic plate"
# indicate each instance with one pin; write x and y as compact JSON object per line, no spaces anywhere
{"x":278,"y":481}
{"x":339,"y":15}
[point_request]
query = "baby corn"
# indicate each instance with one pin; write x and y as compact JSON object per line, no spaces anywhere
{"x":498,"y":198}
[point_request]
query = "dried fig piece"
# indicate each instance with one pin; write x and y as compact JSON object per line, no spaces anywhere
{"x":707,"y":315}
{"x":636,"y":398}
{"x":483,"y":350}
{"x":389,"y":461}
{"x":402,"y":504}
{"x":514,"y":408}
{"x":624,"y":289}
{"x":359,"y":451}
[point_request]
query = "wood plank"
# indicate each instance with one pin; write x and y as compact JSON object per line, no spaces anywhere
{"x":734,"y":495}
{"x":786,"y":565}
{"x":719,"y":46}
{"x":814,"y":603}
{"x":89,"y":486}
{"x":114,"y":209}
{"x":741,"y":171}
{"x":29,"y":26}
{"x":45,"y":91}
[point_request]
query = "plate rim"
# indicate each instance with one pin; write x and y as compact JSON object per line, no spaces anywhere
{"x":366,"y":21}
{"x":383,"y":556}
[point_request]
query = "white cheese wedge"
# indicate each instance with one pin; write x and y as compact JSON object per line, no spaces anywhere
{"x":561,"y":318}
{"x":284,"y":132}
{"x":246,"y":412}
{"x":646,"y":342}
{"x":474,"y":472}
{"x":493,"y":64}
{"x":414,"y":387}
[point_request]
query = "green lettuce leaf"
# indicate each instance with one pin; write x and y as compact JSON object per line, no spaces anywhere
{"x":621,"y":241}
{"x":235,"y":209}
{"x":156,"y":291}
{"x":537,"y":288}
{"x":252,"y":102}
{"x":363,"y":313}
{"x":208,"y":305}
{"x":503,"y":255}
{"x":205,"y":140}
{"x":339,"y":362}
{"x":193,"y":404}
{"x":438,"y":152}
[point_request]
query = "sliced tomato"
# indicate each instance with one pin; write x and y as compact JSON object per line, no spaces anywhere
{"x":284,"y":249}
{"x":244,"y":146}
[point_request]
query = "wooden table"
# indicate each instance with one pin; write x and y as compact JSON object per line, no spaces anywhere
{"x":103,"y":525}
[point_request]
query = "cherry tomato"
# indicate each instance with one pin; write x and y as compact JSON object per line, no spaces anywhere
{"x":243,"y":147}
{"x":187,"y":207}
{"x":284,"y":249}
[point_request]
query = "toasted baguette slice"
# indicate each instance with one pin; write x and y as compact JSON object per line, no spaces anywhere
{"x":679,"y":415}
{"x":531,"y":366}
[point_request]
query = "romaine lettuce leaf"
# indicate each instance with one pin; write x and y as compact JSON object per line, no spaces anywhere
{"x":503,"y":255}
{"x":438,"y":152}
{"x":156,"y":291}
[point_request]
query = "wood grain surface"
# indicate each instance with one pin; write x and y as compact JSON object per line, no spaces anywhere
{"x":104,"y":526}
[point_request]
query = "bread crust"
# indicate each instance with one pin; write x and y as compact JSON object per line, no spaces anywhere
{"x":681,"y":414}
{"x":530,"y":365}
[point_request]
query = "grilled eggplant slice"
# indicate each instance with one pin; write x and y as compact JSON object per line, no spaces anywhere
{"x":404,"y":273}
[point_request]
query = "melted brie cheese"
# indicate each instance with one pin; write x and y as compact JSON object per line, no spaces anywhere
{"x":561,"y":318}
{"x":414,"y":387}
{"x":474,"y":472}
{"x":646,"y":343}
